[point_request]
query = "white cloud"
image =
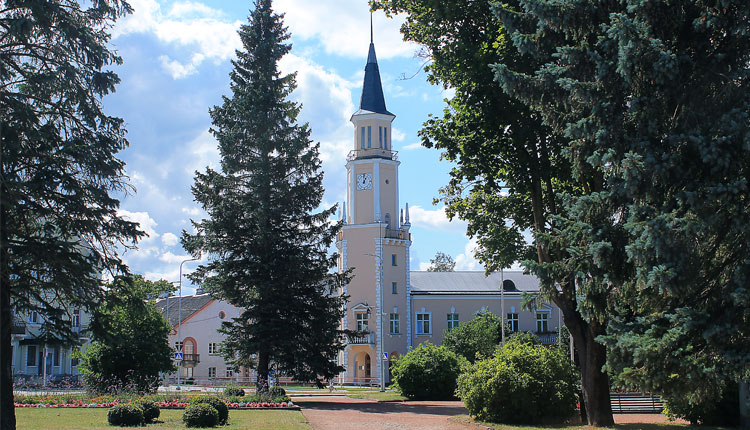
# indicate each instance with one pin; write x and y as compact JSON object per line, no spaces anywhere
{"x":351,"y":36}
{"x":169,"y":239}
{"x":204,"y":31}
{"x":204,"y":151}
{"x":397,"y":135}
{"x":434,"y":219}
{"x":146,"y":223}
{"x":171,"y":258}
{"x":412,"y":146}
{"x":466,"y":261}
{"x":193,"y":212}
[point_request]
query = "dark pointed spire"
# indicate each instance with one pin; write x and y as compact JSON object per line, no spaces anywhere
{"x":372,"y":89}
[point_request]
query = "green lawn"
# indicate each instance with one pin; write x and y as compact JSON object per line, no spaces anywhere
{"x":46,"y":418}
{"x":387,"y":396}
{"x":666,"y":426}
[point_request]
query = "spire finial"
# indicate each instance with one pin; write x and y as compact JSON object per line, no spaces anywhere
{"x":371,"y":27}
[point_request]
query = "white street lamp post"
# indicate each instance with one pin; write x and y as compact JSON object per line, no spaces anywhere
{"x":179,"y":322}
{"x":502,"y":306}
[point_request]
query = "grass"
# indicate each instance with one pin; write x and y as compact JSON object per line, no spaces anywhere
{"x":638,"y":426}
{"x":85,"y":419}
{"x":387,"y":396}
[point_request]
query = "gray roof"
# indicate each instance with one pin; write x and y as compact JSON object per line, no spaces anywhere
{"x":190,"y":305}
{"x":372,"y":89}
{"x":471,"y":282}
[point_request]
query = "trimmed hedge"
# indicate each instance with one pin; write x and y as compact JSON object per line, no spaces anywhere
{"x":217,"y":403}
{"x":234,"y":391}
{"x":125,"y":415}
{"x":150,"y":410}
{"x":428,"y":372}
{"x":200,"y":415}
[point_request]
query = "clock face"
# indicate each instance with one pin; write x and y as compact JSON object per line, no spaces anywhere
{"x":364,"y":181}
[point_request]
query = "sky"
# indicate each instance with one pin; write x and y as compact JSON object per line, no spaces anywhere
{"x":177,"y":58}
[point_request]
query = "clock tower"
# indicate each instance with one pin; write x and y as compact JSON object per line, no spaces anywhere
{"x":374,"y":242}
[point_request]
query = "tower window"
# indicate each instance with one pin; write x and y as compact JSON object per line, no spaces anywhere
{"x":362,"y":140}
{"x":380,"y":137}
{"x":385,"y":137}
{"x":394,"y":287}
{"x":393,"y":260}
{"x":369,"y":136}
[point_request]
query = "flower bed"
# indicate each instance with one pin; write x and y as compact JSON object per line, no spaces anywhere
{"x":161,"y":405}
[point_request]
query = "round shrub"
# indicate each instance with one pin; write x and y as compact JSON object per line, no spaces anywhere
{"x":428,"y":372}
{"x":522,"y":383}
{"x":150,"y":410}
{"x":200,"y":415}
{"x":217,"y":403}
{"x":125,"y":415}
{"x":234,"y":391}
{"x":275,"y":392}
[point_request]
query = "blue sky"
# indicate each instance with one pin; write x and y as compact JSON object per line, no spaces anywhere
{"x":176,"y":64}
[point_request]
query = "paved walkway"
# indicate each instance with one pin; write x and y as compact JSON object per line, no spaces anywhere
{"x":343,"y":413}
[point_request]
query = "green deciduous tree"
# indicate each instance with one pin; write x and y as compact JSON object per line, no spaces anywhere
{"x":476,"y":338}
{"x":130,"y":341}
{"x":441,"y":263}
{"x":511,"y":167}
{"x":654,"y":97}
{"x":58,"y":222}
{"x":268,"y":250}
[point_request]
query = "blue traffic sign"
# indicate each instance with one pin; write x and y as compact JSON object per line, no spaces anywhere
{"x":178,"y":356}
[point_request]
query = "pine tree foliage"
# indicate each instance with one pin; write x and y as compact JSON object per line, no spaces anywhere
{"x":511,"y":167}
{"x":58,"y":221}
{"x":654,"y":97}
{"x":268,"y":249}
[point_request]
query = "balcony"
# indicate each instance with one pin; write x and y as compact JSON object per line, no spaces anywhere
{"x":397,"y":234}
{"x":189,"y":360}
{"x":547,"y":338}
{"x":372,"y":153}
{"x":362,"y":339}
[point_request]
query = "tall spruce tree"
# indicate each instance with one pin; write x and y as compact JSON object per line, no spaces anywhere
{"x":510,"y":166}
{"x":655,"y":97}
{"x":58,"y":222}
{"x":268,"y":251}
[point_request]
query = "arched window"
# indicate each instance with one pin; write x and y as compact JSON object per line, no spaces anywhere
{"x":508,"y":285}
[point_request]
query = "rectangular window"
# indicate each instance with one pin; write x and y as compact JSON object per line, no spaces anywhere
{"x":74,"y":357}
{"x":452,"y":321}
{"x":230,"y":373}
{"x":56,"y":356}
{"x":362,"y":140}
{"x":211,"y":372}
{"x":385,"y":137}
{"x":541,"y":322}
{"x":369,"y":136}
{"x":423,"y":324}
{"x":213,"y":348}
{"x":34,"y":317}
{"x":178,"y":346}
{"x":393,"y":260}
{"x":380,"y":137}
{"x":76,"y":318}
{"x":394,"y":324}
{"x":512,"y":319}
{"x":362,"y":322}
{"x":31,"y":355}
{"x":394,"y":287}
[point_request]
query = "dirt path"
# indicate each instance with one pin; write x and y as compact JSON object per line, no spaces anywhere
{"x":343,"y":413}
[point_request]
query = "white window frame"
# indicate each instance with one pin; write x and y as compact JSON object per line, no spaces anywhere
{"x":394,"y":321}
{"x":34,"y":317}
{"x":75,"y":319}
{"x":364,"y":319}
{"x":545,"y":319}
{"x":230,"y":372}
{"x":211,"y":372}
{"x":213,"y":348}
{"x":512,"y":317}
{"x":420,"y":324}
{"x":451,"y":322}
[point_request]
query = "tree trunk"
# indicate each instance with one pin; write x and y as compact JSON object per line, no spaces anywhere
{"x":591,"y":357}
{"x":261,"y":383}
{"x":7,"y":410}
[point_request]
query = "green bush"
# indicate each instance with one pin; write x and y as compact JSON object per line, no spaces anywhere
{"x":476,"y":338}
{"x":125,"y":415}
{"x":234,"y":391}
{"x":150,"y":410}
{"x":718,"y":406}
{"x":200,"y":415}
{"x":217,"y":404}
{"x":276,"y":392}
{"x":522,"y":383}
{"x":428,"y":372}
